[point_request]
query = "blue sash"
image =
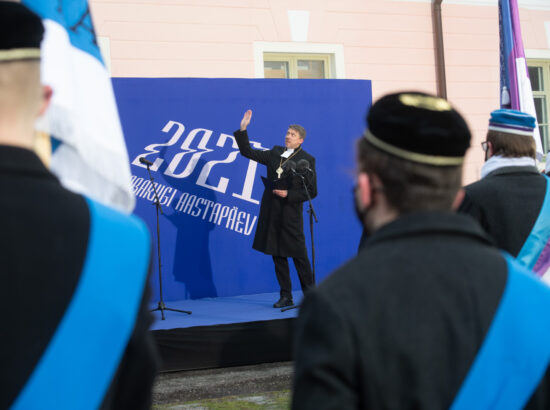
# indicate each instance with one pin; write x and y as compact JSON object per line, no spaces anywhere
{"x":82,"y":357}
{"x":515,"y":353}
{"x":535,"y":253}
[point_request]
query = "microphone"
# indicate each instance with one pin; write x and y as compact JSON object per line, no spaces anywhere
{"x":144,"y":161}
{"x":290,"y":166}
{"x":303,"y":166}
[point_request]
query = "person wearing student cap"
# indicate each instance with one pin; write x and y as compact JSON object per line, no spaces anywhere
{"x":511,"y":201}
{"x":428,"y":314}
{"x":75,"y":326}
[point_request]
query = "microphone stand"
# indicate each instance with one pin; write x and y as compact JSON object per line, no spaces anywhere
{"x":312,"y":215}
{"x":161,"y":306}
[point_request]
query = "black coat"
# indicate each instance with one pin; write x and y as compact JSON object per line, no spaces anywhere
{"x":45,"y":230}
{"x":399,"y":325}
{"x":280,"y":229}
{"x":506,"y":203}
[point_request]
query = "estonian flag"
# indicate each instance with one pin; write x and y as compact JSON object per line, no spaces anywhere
{"x":89,"y":153}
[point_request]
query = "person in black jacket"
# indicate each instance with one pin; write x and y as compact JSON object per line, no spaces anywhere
{"x":280,"y":230}
{"x":429,"y":314}
{"x":511,"y":200}
{"x":74,"y":272}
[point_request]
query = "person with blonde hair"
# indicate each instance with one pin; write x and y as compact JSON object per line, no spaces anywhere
{"x":74,"y":272}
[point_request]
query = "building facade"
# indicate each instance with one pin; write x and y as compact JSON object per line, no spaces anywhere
{"x":393,"y":43}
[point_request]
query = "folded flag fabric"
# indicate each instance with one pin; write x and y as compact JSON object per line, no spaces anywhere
{"x":516,"y":91}
{"x":89,"y":155}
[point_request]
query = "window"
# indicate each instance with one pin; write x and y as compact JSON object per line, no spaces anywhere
{"x":298,"y":60}
{"x":283,"y":65}
{"x":539,"y":73}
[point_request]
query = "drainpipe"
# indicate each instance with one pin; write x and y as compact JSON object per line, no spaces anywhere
{"x":439,"y":49}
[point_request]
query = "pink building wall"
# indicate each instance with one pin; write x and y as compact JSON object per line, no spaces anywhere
{"x":388,"y":42}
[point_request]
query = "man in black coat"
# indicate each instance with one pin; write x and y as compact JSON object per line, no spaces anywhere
{"x":428,"y":315}
{"x":75,"y":330}
{"x":280,"y":230}
{"x":511,"y":201}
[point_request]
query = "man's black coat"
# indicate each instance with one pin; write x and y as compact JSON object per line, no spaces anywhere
{"x":280,"y":228}
{"x":506,"y":203}
{"x":399,"y":326}
{"x":44,"y":241}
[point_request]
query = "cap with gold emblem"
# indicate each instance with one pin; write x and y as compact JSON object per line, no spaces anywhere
{"x":418,"y":127}
{"x":21,"y":32}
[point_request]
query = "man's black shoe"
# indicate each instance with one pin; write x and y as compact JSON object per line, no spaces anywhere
{"x":283,"y":302}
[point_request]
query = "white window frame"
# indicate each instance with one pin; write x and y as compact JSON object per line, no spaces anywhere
{"x":292,"y":60}
{"x":336,"y":52}
{"x":542,"y":57}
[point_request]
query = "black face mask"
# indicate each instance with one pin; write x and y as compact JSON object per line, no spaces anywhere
{"x":360,"y":213}
{"x":361,"y":216}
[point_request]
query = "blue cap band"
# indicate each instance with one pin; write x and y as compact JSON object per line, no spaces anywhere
{"x":512,"y":122}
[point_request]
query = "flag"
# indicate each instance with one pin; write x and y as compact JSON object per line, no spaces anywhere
{"x":515,"y":86}
{"x":89,"y":153}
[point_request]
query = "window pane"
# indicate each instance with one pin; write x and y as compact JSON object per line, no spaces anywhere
{"x":542,"y":118}
{"x":276,"y":69}
{"x":535,"y":75}
{"x":311,"y":69}
{"x":540,"y":109}
{"x":545,"y":138}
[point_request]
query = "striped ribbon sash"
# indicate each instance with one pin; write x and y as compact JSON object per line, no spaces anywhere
{"x":515,"y":353}
{"x":535,"y":253}
{"x":82,"y":357}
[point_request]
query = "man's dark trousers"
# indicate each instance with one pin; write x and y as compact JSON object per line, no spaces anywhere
{"x":303,"y":268}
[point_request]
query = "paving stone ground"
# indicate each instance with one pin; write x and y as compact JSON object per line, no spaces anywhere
{"x":263,"y":386}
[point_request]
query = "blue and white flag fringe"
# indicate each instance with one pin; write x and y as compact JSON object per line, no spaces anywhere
{"x":91,"y":157}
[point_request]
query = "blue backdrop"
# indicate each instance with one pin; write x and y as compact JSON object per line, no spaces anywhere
{"x":210,"y":193}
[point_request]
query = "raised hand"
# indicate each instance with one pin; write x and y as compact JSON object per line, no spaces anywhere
{"x":246,"y":119}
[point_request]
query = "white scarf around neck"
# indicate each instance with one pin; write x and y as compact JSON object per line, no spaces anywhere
{"x":497,"y":161}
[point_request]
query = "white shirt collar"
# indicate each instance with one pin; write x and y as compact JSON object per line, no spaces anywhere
{"x":287,"y":153}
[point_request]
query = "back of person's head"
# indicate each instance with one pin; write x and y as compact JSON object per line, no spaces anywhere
{"x":415,"y":144}
{"x":511,"y":133}
{"x":21,"y":33}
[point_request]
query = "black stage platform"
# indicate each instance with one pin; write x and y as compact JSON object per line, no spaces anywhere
{"x":224,"y":331}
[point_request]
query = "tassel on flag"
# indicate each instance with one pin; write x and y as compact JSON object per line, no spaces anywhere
{"x":515,"y":86}
{"x":89,"y":153}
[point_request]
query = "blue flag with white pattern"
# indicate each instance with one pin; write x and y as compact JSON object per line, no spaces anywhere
{"x":89,"y":154}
